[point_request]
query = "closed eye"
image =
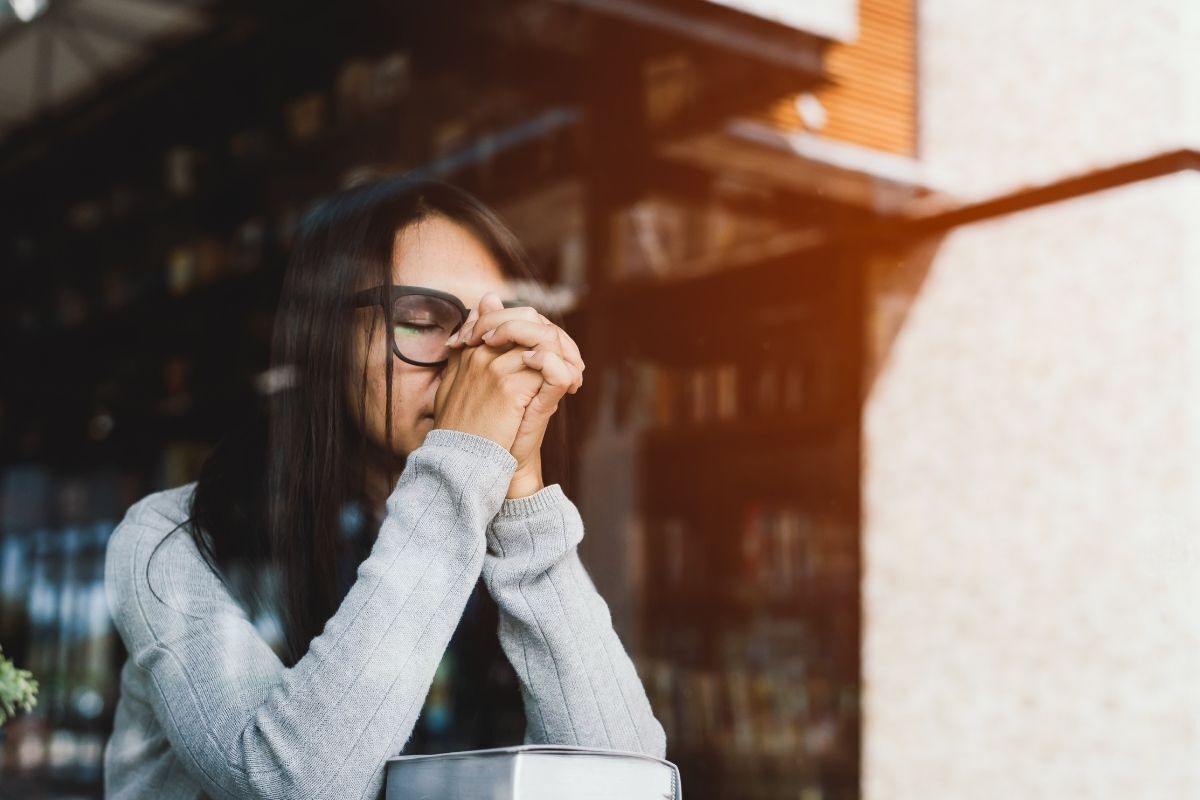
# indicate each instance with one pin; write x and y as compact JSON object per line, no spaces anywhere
{"x":416,"y":326}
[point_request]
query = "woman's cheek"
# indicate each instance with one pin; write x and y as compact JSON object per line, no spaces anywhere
{"x":409,"y":391}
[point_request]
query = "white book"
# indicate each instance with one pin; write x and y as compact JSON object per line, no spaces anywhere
{"x":533,"y":772}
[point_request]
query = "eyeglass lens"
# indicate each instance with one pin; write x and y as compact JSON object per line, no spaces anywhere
{"x":421,"y":324}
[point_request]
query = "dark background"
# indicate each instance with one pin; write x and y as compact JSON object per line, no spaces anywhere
{"x":145,"y":231}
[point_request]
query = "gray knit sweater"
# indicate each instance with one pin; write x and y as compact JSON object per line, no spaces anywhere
{"x":207,"y":709}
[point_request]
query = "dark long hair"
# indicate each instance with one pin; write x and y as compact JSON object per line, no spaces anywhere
{"x":274,"y":493}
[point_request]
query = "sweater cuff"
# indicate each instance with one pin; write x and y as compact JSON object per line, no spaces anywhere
{"x":471,"y":443}
{"x":537,"y":531}
{"x":546,"y":497}
{"x":475,"y":469}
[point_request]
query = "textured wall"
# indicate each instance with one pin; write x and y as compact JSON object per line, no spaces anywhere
{"x":1020,"y":92}
{"x":1032,"y":503}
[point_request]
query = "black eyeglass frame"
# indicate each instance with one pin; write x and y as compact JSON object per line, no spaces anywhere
{"x":379,"y":296}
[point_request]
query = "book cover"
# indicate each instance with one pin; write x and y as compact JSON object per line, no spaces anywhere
{"x":533,"y":772}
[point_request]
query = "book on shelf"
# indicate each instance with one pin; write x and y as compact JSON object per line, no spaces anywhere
{"x":363,"y":85}
{"x":776,"y":544}
{"x":656,"y":396}
{"x":770,"y":704}
{"x":533,"y":772}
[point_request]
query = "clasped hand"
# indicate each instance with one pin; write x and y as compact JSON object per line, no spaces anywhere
{"x":508,"y":371}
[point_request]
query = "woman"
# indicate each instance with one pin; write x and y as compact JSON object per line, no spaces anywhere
{"x":369,"y":388}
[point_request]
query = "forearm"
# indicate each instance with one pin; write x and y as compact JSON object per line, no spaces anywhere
{"x":579,"y":684}
{"x":245,"y":726}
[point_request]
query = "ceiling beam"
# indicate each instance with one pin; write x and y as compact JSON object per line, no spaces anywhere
{"x":108,"y":27}
{"x":71,"y":36}
{"x":43,"y":71}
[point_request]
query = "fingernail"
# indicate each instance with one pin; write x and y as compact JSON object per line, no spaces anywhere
{"x":489,"y":333}
{"x":528,"y":354}
{"x":453,"y":338}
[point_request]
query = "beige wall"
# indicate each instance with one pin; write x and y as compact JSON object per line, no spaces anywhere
{"x":1025,"y":91}
{"x":1032,"y":432}
{"x":1032,"y":502}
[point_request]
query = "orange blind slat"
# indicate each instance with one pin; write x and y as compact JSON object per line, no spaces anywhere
{"x":871,"y":100}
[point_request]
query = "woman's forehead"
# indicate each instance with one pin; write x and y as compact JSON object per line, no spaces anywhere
{"x":440,"y":254}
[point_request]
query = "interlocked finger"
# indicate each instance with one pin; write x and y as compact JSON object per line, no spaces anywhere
{"x":477,"y":323}
{"x":534,"y":335}
{"x":524,"y":332}
{"x":541,"y":337}
{"x":558,"y":376}
{"x":567,"y":347}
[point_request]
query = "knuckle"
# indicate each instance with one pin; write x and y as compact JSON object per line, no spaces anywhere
{"x":514,"y":385}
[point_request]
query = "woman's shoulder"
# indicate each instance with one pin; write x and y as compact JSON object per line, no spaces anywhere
{"x":146,"y":525}
{"x":166,"y":505}
{"x":156,"y":579}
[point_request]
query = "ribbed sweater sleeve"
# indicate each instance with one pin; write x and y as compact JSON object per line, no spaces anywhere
{"x":243,"y":725}
{"x":578,"y":684}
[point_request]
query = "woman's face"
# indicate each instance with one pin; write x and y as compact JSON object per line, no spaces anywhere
{"x":437,"y":253}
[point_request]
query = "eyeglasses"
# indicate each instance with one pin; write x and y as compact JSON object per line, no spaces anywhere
{"x":422,"y":320}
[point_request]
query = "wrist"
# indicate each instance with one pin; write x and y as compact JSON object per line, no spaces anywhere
{"x":525,"y":483}
{"x":474,"y":431}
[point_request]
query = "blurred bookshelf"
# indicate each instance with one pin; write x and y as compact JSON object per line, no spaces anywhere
{"x":715,"y":446}
{"x":739,"y":403}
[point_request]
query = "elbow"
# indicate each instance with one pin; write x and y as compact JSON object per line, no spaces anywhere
{"x":656,"y":742}
{"x":650,"y":739}
{"x":269,"y":771}
{"x":280,"y":757}
{"x":652,"y":742}
{"x":273,"y":763}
